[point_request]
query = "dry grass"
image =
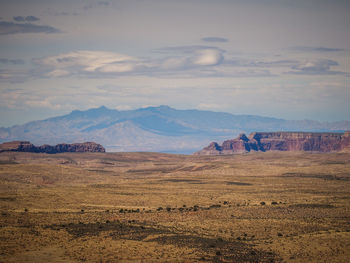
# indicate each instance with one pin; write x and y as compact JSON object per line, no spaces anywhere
{"x":146,"y":207}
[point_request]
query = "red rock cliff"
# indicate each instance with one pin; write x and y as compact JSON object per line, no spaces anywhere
{"x":24,"y":146}
{"x":281,"y":141}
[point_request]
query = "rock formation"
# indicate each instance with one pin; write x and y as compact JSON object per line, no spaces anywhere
{"x":25,"y":146}
{"x":281,"y":141}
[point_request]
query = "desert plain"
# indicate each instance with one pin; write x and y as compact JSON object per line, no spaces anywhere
{"x":153,"y":207}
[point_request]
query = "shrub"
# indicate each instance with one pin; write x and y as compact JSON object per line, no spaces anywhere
{"x":262,"y":203}
{"x":168,"y":209}
{"x":160,"y":208}
{"x":274,"y":203}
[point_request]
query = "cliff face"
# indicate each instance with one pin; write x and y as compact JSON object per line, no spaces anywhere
{"x":281,"y":141}
{"x":25,"y":146}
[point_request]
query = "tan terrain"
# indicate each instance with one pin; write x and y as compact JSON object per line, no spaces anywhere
{"x":149,"y":207}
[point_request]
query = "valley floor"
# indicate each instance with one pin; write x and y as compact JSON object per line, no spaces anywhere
{"x":150,"y":207}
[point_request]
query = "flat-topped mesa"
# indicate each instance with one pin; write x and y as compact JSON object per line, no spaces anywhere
{"x":25,"y":146}
{"x":281,"y":141}
{"x":17,"y":146}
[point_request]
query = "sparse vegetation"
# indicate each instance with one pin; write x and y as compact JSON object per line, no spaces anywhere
{"x":175,"y":211}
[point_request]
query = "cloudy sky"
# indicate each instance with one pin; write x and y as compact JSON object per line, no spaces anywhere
{"x":282,"y":58}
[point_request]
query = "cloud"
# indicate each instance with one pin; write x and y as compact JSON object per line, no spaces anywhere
{"x":317,"y":49}
{"x":96,"y":5}
{"x":316,"y":67}
{"x":103,"y":3}
{"x":185,"y":49}
{"x":26,"y":19}
{"x":9,"y":28}
{"x":11,"y":61}
{"x":207,"y":57}
{"x":261,"y":63}
{"x":19,"y":18}
{"x":187,"y":57}
{"x":64,"y":13}
{"x":32,"y":18}
{"x":183,"y":61}
{"x":85,"y":62}
{"x":13,"y":76}
{"x":101,"y":64}
{"x":215,"y":39}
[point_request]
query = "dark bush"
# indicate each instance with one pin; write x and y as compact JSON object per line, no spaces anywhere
{"x":262,"y":203}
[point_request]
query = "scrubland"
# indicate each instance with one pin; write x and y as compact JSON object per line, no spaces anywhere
{"x":151,"y":207}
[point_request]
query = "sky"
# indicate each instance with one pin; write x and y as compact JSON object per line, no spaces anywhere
{"x":288,"y":59}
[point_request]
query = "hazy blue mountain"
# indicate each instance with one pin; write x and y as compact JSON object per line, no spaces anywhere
{"x":154,"y":128}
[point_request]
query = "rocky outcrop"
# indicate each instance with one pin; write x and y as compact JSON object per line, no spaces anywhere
{"x":281,"y":141}
{"x":25,"y":146}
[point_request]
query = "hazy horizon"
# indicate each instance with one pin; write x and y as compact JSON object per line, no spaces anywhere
{"x":155,"y":106}
{"x":283,"y":59}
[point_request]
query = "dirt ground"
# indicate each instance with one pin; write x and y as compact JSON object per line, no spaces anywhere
{"x":151,"y":207}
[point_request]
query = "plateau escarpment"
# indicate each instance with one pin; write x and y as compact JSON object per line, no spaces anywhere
{"x":281,"y":141}
{"x":25,"y":146}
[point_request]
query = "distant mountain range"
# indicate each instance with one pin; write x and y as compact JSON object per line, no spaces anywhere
{"x":161,"y":129}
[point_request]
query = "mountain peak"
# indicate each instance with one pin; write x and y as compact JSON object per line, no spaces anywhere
{"x":157,"y":108}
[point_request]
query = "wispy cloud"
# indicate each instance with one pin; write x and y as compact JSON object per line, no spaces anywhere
{"x":11,"y":61}
{"x":215,"y":39}
{"x":8,"y":28}
{"x":240,"y":62}
{"x":85,"y":63}
{"x":64,"y":13}
{"x":96,"y":5}
{"x":26,"y":18}
{"x":316,"y":49}
{"x":99,"y":63}
{"x":316,"y":67}
{"x":181,"y":61}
